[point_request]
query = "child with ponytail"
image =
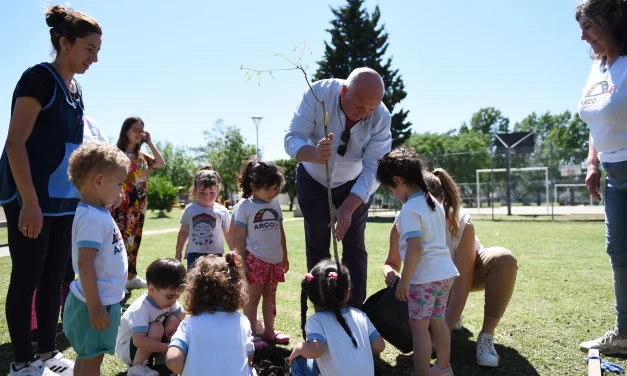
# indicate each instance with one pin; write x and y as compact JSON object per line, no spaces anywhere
{"x":428,"y":271}
{"x":260,"y":241}
{"x":339,"y":340}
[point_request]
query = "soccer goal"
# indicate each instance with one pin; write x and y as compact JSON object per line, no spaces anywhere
{"x":568,"y":185}
{"x":547,"y":183}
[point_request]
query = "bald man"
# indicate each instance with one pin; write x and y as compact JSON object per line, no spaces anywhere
{"x":359,"y":135}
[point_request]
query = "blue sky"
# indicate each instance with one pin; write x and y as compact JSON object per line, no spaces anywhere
{"x":177,"y":64}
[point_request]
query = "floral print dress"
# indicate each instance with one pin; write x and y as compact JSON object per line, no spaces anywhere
{"x":131,"y":214}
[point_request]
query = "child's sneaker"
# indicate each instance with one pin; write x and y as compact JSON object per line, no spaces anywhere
{"x":59,"y":365}
{"x":486,"y":353}
{"x":136,"y":283}
{"x":610,"y":343}
{"x":437,"y":371}
{"x":459,"y":324}
{"x":36,"y":368}
{"x":141,"y":370}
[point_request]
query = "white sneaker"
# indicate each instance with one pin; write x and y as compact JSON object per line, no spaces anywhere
{"x":486,"y":353}
{"x":136,"y":283}
{"x":60,"y":365}
{"x":36,"y":368}
{"x":141,"y":370}
{"x":459,"y":324}
{"x":610,"y":343}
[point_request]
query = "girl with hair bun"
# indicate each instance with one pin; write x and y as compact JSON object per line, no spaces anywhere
{"x":38,"y":199}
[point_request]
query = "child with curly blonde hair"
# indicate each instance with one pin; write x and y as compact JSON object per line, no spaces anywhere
{"x":92,"y":311}
{"x":214,"y":339}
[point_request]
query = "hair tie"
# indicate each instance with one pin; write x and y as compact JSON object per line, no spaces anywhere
{"x":428,"y":195}
{"x":333,"y":275}
{"x":309,"y":277}
{"x":255,"y":161}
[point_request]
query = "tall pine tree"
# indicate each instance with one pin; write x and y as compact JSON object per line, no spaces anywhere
{"x":358,"y":41}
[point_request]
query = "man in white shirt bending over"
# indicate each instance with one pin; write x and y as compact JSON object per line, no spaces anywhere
{"x":359,"y":135}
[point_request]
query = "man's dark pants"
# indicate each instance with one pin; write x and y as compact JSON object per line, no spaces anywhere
{"x":313,"y":202}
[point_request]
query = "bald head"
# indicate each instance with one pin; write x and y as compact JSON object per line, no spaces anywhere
{"x":362,"y":93}
{"x":366,"y":79}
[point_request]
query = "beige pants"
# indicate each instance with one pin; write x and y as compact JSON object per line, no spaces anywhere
{"x":495,"y":272}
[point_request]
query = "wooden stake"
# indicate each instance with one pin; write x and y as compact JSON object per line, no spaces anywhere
{"x":329,"y":196}
{"x":594,"y":365}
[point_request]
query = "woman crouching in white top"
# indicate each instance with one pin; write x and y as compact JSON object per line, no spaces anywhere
{"x":491,"y":269}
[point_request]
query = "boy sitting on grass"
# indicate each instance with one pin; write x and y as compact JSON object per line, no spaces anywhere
{"x":149,"y":323}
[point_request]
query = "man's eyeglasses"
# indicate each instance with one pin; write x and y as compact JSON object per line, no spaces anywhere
{"x":345,"y":137}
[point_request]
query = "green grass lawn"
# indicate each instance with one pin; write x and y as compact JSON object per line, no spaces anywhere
{"x":563,"y":296}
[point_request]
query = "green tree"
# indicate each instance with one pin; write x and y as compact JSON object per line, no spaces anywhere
{"x":487,"y":120}
{"x":461,"y":154}
{"x":180,"y":165}
{"x":289,"y":172}
{"x":568,"y":135}
{"x":571,"y":140}
{"x":161,"y":195}
{"x":357,"y":40}
{"x":226,"y":150}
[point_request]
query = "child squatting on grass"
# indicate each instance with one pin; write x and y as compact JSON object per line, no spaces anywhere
{"x":214,"y":339}
{"x":149,"y":323}
{"x":339,"y":340}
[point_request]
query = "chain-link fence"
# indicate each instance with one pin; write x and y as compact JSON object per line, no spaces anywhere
{"x":546,"y":182}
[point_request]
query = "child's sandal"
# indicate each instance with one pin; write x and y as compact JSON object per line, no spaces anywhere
{"x":259,"y":343}
{"x":278,"y":338}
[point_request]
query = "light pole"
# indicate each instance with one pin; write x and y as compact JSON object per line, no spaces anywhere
{"x":257,"y":120}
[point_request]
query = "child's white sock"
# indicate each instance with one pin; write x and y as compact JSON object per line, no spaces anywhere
{"x":441,"y":369}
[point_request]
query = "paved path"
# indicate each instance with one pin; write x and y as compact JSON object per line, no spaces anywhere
{"x":516,"y":210}
{"x":541,"y":210}
{"x":4,"y":251}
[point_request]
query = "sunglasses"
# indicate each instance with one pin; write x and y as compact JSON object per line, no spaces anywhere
{"x":345,"y":137}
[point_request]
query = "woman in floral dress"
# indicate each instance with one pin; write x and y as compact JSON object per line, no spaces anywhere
{"x":131,"y":213}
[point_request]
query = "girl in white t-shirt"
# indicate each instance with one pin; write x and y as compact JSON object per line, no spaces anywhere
{"x":260,"y":240}
{"x":214,"y":339}
{"x":204,"y":222}
{"x":428,"y":271}
{"x":339,"y":340}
